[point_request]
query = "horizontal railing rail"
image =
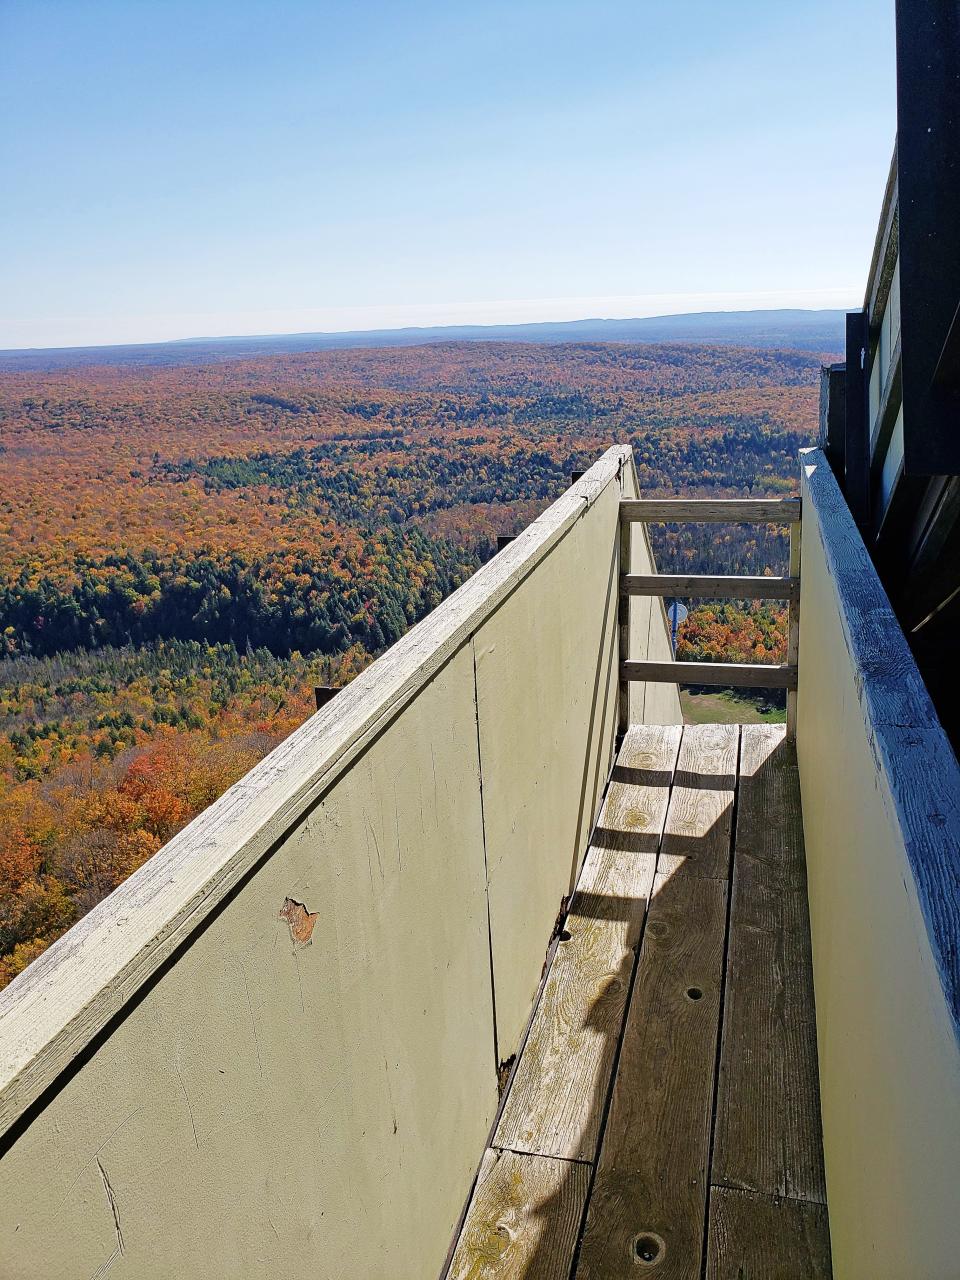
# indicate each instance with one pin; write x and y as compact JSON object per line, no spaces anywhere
{"x":742,"y":675}
{"x":711,"y":510}
{"x":704,"y":587}
{"x":719,"y":586}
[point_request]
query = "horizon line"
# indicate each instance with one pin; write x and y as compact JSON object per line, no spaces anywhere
{"x":426,"y":327}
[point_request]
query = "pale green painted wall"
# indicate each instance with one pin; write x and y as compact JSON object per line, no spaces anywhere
{"x":267,"y":1108}
{"x":889,"y":1063}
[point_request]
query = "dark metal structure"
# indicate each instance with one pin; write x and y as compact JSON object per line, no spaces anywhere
{"x":890,"y":416}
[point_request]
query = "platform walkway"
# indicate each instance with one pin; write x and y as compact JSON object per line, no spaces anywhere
{"x":663,"y":1116}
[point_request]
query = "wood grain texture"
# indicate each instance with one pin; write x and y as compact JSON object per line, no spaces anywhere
{"x":768,"y":1133}
{"x":696,"y":836}
{"x":718,"y":587}
{"x":752,"y":675}
{"x":51,"y":1011}
{"x":523,"y":1219}
{"x":652,"y":1173}
{"x":770,"y":818}
{"x":558,"y":1092}
{"x":756,"y":1237}
{"x":712,"y":511}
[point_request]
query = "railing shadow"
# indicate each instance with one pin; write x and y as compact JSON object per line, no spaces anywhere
{"x":550,"y":1218}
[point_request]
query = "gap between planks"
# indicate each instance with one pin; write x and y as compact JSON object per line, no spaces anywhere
{"x":648,"y":1199}
{"x":768,"y":1109}
{"x":557,"y":1094}
{"x":511,"y":1210}
{"x":767,"y":1199}
{"x":669,"y":1143}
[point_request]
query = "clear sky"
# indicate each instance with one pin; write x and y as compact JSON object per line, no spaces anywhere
{"x":172,"y":169}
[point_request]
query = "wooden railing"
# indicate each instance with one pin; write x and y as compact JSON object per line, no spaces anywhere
{"x":783,"y":511}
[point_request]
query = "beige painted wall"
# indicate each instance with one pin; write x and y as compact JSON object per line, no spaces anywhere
{"x":547,"y":686}
{"x":264,"y":1106}
{"x":889,"y":1061}
{"x":270,"y":1107}
{"x":547,"y":697}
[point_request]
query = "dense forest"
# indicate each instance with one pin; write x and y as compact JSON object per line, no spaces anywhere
{"x":186,"y":551}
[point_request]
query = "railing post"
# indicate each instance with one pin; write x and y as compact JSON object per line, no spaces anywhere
{"x":793,"y":631}
{"x":623,"y":618}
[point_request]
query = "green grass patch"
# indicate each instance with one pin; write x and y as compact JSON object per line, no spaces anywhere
{"x":727,"y":706}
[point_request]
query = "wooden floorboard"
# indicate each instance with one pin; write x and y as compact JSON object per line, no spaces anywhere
{"x":651,"y":1181}
{"x":768,"y":1136}
{"x":703,"y":1156}
{"x":523,"y":1219}
{"x":697,"y":832}
{"x":755,"y":1237}
{"x":560,"y":1086}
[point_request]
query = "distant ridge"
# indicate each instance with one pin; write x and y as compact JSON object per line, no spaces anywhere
{"x":792,"y":329}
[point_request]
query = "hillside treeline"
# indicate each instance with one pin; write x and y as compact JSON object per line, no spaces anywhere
{"x":185,"y":552}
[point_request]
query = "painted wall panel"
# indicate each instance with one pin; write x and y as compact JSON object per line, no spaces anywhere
{"x":271,"y":1105}
{"x":264,"y":1102}
{"x":875,"y":778}
{"x":546,"y":688}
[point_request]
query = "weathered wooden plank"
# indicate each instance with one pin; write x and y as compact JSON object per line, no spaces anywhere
{"x":558,"y":1092}
{"x":769,"y":818}
{"x":743,"y":675}
{"x":705,"y":587}
{"x":648,"y":1200}
{"x":696,"y":837}
{"x":759,"y":1238}
{"x":712,"y":511}
{"x":523,"y":1219}
{"x":52,"y":1010}
{"x":768,"y":1135}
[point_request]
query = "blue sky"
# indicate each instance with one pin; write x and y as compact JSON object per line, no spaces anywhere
{"x":178,"y":169}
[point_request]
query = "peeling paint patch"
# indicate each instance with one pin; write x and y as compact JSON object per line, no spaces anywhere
{"x":300,"y":920}
{"x":503,"y":1073}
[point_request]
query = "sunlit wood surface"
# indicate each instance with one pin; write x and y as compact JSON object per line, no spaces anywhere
{"x":663,"y":1118}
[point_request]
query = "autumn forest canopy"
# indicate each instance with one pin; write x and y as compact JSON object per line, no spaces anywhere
{"x":186,"y":551}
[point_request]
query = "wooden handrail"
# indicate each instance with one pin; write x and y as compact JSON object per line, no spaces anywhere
{"x":711,"y":510}
{"x":742,"y":675}
{"x":703,"y":587}
{"x":783,"y":511}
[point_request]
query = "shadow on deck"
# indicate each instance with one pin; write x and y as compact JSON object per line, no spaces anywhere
{"x":663,"y":1116}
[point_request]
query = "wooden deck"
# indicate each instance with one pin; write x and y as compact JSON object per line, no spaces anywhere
{"x":663,"y":1117}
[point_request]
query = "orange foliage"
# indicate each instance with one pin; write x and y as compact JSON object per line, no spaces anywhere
{"x":189,"y":532}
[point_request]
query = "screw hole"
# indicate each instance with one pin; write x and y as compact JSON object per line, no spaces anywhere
{"x":694,"y":993}
{"x":648,"y":1248}
{"x":564,"y":935}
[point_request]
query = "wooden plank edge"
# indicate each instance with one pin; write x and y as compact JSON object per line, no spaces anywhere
{"x":55,"y":1007}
